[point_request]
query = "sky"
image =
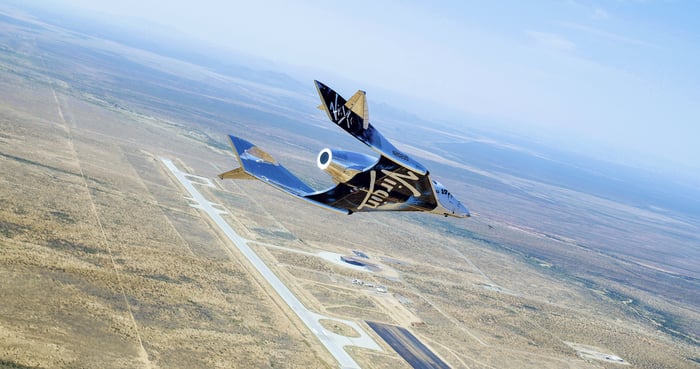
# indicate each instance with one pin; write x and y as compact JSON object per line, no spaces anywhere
{"x":618,"y":78}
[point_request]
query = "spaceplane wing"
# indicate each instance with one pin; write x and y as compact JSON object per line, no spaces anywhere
{"x":391,"y":182}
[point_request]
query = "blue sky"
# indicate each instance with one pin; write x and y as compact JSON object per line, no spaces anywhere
{"x":617,"y":77}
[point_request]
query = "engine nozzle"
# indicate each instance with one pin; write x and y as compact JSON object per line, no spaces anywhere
{"x":343,"y":165}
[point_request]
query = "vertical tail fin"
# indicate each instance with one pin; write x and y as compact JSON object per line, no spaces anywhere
{"x":353,"y":118}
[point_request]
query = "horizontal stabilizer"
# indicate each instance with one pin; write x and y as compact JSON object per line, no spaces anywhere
{"x":237,"y":173}
{"x":358,"y":105}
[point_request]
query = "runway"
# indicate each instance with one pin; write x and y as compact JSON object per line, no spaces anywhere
{"x":334,"y":343}
{"x":408,"y":346}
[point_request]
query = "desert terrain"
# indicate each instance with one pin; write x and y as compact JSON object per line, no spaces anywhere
{"x":104,"y":263}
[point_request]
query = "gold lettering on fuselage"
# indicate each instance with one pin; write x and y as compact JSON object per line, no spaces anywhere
{"x":376,"y":197}
{"x":402,"y":179}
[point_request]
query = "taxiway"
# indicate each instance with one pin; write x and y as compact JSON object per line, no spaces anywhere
{"x":334,"y":343}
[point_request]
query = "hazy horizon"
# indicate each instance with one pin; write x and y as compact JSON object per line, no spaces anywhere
{"x":122,"y":246}
{"x":613,"y":80}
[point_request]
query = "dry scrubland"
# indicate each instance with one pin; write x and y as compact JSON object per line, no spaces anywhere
{"x":104,"y":264}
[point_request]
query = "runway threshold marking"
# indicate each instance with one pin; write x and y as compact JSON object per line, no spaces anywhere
{"x":333,"y":342}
